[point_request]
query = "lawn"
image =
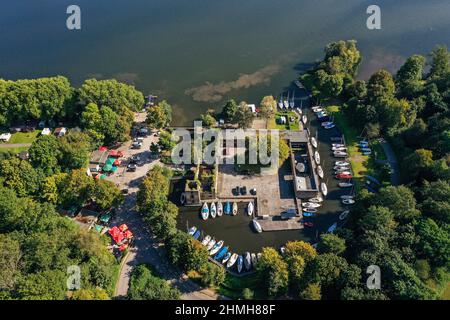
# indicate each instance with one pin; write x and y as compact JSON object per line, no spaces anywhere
{"x":233,"y":286}
{"x":12,"y":151}
{"x":24,"y":137}
{"x":275,"y":123}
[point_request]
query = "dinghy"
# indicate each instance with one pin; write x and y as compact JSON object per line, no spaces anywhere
{"x":183,"y":198}
{"x":216,"y":248}
{"x":257,"y":226}
{"x":344,"y":215}
{"x":213,"y":210}
{"x":342,"y":163}
{"x":338,"y":145}
{"x":283,"y":251}
{"x":300,"y":167}
{"x":347,"y":197}
{"x":240,"y":263}
{"x":330,"y":126}
{"x":309,"y":214}
{"x":227,"y":208}
{"x":324,"y":189}
{"x":326,"y":123}
{"x":310,"y":210}
{"x":314,"y":142}
{"x":205,"y":211}
{"x":206,"y":240}
{"x":345,"y":184}
{"x":342,"y":172}
{"x":197,"y":234}
{"x":310,"y":205}
{"x":192,"y":231}
{"x":247,"y":260}
{"x":226,"y":258}
{"x":316,"y":200}
{"x":254,"y":260}
{"x":320,"y":172}
{"x":211,"y":244}
{"x":221,"y":253}
{"x":304,"y":119}
{"x":259,"y":256}
{"x":232,"y":260}
{"x":235,"y":208}
{"x":341,"y":168}
{"x":219,"y":209}
{"x":348,"y":201}
{"x":250,"y":208}
{"x":317,"y":157}
{"x":332,"y":227}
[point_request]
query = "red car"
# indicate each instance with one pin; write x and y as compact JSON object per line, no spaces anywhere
{"x":344,"y":176}
{"x":308,"y":224}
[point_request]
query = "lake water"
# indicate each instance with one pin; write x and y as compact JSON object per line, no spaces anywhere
{"x":199,"y":53}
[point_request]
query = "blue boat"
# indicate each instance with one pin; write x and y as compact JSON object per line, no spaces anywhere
{"x":240,"y":263}
{"x":308,"y":214}
{"x":221,"y":253}
{"x":197,"y":234}
{"x":227,"y":208}
{"x":192,"y":231}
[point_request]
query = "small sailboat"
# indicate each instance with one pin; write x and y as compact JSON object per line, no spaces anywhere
{"x":292,"y":102}
{"x":314,"y":142}
{"x":213,"y":211}
{"x":232,"y":260}
{"x":257,"y":226}
{"x":206,"y":240}
{"x":332,"y":227}
{"x":192,"y":231}
{"x":182,"y":198}
{"x":324,"y":189}
{"x":309,"y":210}
{"x":219,"y":209}
{"x":254,"y":260}
{"x":197,"y":234}
{"x":283,"y":251}
{"x":250,"y":208}
{"x":247,"y":260}
{"x":280,"y":103}
{"x":317,"y":157}
{"x":320,"y":172}
{"x":216,"y":248}
{"x":226,"y":258}
{"x":211,"y":244}
{"x":344,"y":215}
{"x":309,"y":214}
{"x":259,"y":256}
{"x":240,"y":262}
{"x":304,"y":119}
{"x":347,"y":196}
{"x":345,"y":184}
{"x":235,"y":208}
{"x":348,"y":201}
{"x":221,"y":253}
{"x":342,"y":163}
{"x":205,"y":211}
{"x":299,"y":111}
{"x":227,"y":207}
{"x":310,"y":205}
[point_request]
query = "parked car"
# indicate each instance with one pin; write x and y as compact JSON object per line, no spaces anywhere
{"x":244,"y":190}
{"x":253,"y":191}
{"x":135,"y":159}
{"x":136,"y":145}
{"x":131,"y":167}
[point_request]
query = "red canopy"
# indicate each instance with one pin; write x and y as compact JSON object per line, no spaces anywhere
{"x":116,"y":163}
{"x":123,"y":247}
{"x":103,"y":149}
{"x":116,"y":234}
{"x":128,"y":234}
{"x":123,"y":227}
{"x":116,"y":154}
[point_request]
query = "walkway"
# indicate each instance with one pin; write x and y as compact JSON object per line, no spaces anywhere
{"x":392,"y":160}
{"x":14,"y":145}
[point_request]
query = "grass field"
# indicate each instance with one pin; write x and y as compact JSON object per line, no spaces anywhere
{"x":24,"y":137}
{"x":233,"y":286}
{"x":13,"y":151}
{"x":275,"y":123}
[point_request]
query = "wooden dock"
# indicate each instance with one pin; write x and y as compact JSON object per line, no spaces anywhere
{"x":281,"y":225}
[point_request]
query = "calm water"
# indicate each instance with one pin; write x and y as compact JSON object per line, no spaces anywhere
{"x":198,"y":53}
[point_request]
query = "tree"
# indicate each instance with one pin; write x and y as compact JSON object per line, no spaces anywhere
{"x":380,"y":88}
{"x":208,"y":120}
{"x":106,"y":194}
{"x":311,"y":292}
{"x":90,"y":294}
{"x":434,"y":242}
{"x":45,"y":285}
{"x":75,"y":150}
{"x":10,"y":257}
{"x":212,"y":275}
{"x":75,"y":189}
{"x":409,"y":76}
{"x":302,"y":249}
{"x":229,"y":110}
{"x":247,"y":294}
{"x":273,"y":271}
{"x":268,"y":107}
{"x":166,"y":142}
{"x":159,"y":116}
{"x":243,"y":116}
{"x":154,"y":188}
{"x":400,"y":200}
{"x":186,"y":252}
{"x":20,"y":176}
{"x":331,"y":243}
{"x":112,"y":94}
{"x":418,"y":164}
{"x":440,"y":64}
{"x":145,"y":286}
{"x":161,"y":217}
{"x":45,"y":154}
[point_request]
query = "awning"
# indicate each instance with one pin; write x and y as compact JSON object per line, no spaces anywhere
{"x":123,"y":227}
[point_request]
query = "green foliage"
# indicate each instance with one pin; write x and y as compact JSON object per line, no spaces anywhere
{"x":146,"y":286}
{"x":90,"y":294}
{"x":230,"y":110}
{"x":45,"y":154}
{"x":212,"y":275}
{"x":186,"y":252}
{"x":268,"y":107}
{"x":331,"y":243}
{"x":243,"y":116}
{"x":248,"y":294}
{"x":19,"y":176}
{"x":311,"y":292}
{"x":273,"y":272}
{"x":159,"y":116}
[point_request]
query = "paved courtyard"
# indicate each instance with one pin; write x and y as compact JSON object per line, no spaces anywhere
{"x":275,"y":191}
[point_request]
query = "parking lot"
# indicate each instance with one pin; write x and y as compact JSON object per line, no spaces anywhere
{"x":274,"y":191}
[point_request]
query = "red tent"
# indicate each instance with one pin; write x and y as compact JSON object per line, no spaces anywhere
{"x":115,"y":154}
{"x":116,"y":163}
{"x":123,"y":227}
{"x":116,"y":234}
{"x":128,"y":234}
{"x":103,"y":149}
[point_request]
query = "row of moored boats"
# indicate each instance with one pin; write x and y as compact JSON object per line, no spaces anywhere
{"x":221,"y":253}
{"x":218,"y":210}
